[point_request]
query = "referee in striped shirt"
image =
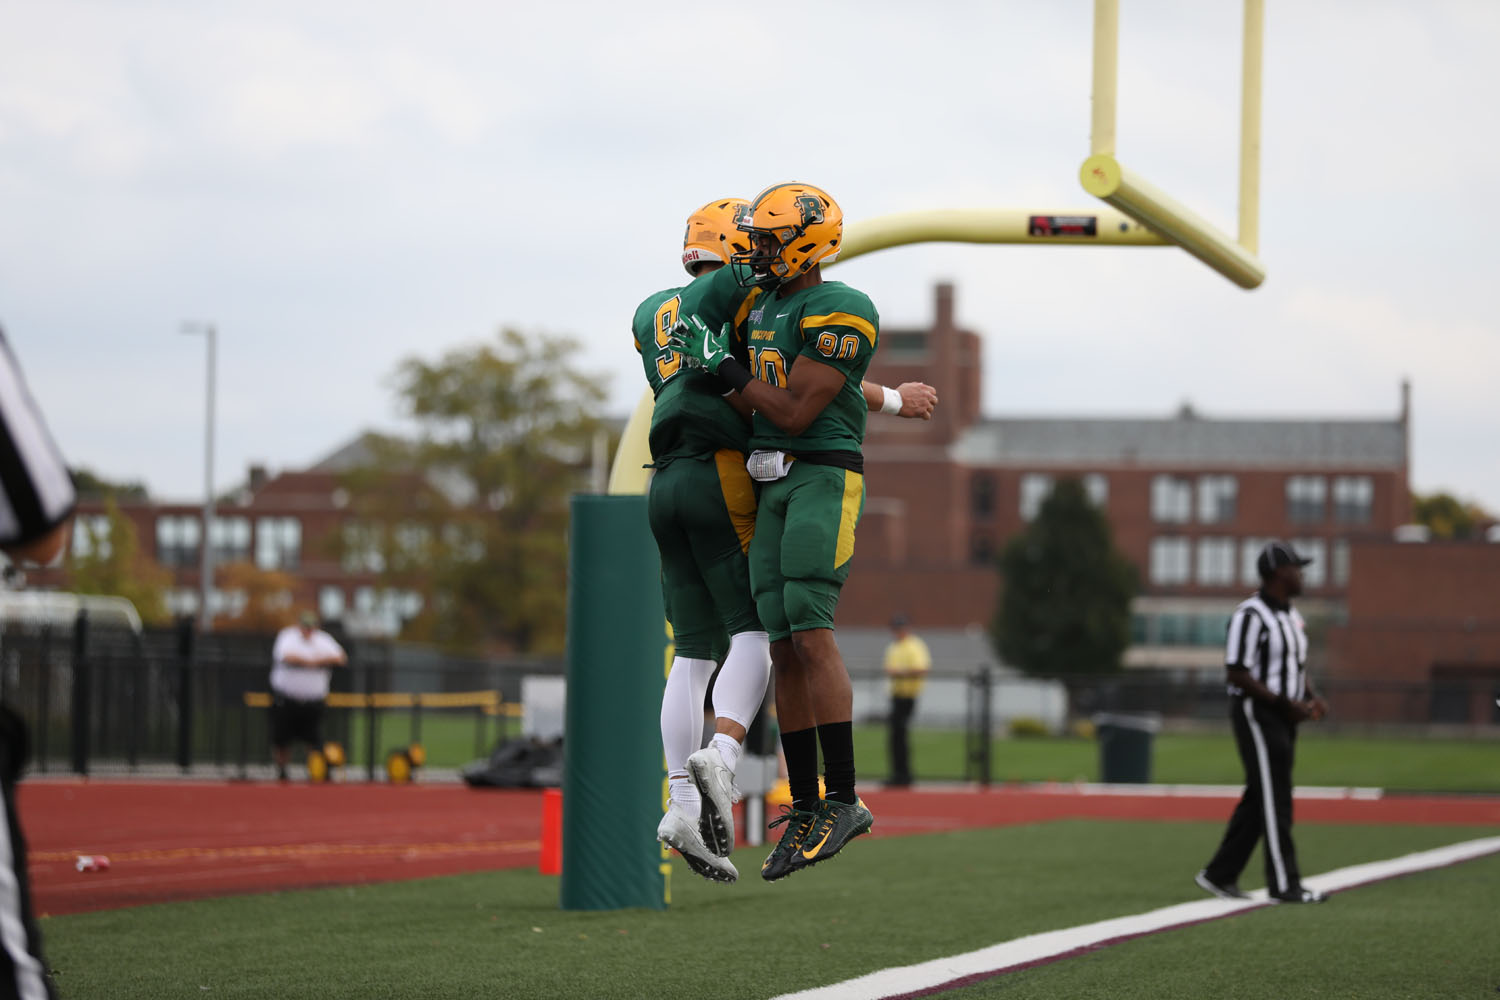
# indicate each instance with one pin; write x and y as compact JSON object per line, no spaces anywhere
{"x":1270,"y":694}
{"x":36,"y":501}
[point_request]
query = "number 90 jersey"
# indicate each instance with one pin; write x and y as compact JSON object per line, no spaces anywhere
{"x":830,"y":323}
{"x":691,"y":417}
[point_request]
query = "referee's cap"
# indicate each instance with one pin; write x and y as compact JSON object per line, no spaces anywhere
{"x":1277,"y":554}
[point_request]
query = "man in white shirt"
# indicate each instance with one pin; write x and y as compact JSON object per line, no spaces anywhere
{"x":301,"y":664}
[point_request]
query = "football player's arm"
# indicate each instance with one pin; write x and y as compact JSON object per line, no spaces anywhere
{"x":810,"y":386}
{"x":909,"y":399}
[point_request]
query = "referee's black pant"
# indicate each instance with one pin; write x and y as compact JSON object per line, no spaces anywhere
{"x":1266,"y":742}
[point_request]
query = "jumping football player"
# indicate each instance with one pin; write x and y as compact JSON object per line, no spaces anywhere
{"x":808,"y":343}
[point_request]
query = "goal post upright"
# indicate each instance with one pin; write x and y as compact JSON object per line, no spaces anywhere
{"x":1103,"y":176}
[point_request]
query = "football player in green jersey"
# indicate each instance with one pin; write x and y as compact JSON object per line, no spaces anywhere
{"x":702,"y":510}
{"x":808,"y":343}
{"x":701,"y":505}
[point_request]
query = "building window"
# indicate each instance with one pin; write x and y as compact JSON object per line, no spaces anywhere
{"x":1171,"y":560}
{"x":177,"y":538}
{"x":1306,"y":497}
{"x":278,"y":542}
{"x":1217,"y":496}
{"x":229,"y":603}
{"x":1171,"y":500}
{"x":1339,"y":564}
{"x":1249,"y":556}
{"x":1315,"y":573}
{"x":231,"y":539}
{"x":182,"y":602}
{"x":981,"y":551}
{"x":362,"y":551}
{"x":1216,"y":562}
{"x":1035,"y":488}
{"x":91,"y":536}
{"x":1096,"y":485}
{"x":331,"y":603}
{"x":982,"y":495}
{"x":1353,"y":499}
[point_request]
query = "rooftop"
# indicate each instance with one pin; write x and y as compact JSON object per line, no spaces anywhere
{"x":1184,"y":440}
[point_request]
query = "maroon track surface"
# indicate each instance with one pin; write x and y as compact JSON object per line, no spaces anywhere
{"x":176,"y":840}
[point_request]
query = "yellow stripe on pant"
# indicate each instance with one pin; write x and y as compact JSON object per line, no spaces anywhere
{"x":739,"y":494}
{"x":854,"y":493}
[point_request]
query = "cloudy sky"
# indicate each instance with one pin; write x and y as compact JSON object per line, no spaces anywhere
{"x":337,"y":186}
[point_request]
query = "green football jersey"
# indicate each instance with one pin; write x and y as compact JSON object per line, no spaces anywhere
{"x":691,"y":418}
{"x":832,"y":324}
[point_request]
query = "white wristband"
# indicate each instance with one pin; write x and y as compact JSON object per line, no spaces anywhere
{"x":892,"y":402}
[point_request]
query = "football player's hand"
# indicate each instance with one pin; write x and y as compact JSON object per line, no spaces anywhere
{"x":917,"y":400}
{"x":1317,"y":708}
{"x":692,"y":338}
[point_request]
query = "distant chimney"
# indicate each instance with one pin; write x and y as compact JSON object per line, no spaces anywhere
{"x":944,"y":318}
{"x":258,"y":478}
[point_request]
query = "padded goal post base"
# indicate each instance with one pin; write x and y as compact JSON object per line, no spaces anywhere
{"x":612,"y":758}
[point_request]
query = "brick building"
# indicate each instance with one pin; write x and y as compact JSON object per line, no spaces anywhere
{"x":1191,"y":499}
{"x":295,"y":522}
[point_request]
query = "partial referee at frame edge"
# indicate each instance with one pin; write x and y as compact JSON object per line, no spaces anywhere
{"x":1269,"y":696}
{"x":36,"y":501}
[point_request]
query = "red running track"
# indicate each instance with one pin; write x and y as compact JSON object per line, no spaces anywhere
{"x":176,"y":840}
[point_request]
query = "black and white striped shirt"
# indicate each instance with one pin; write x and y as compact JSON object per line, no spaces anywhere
{"x":1270,"y":641}
{"x":36,"y":492}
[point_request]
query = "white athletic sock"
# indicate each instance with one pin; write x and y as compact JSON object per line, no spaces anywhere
{"x":685,"y":794}
{"x":729,"y":749}
{"x":741,"y":686}
{"x":682,"y":711}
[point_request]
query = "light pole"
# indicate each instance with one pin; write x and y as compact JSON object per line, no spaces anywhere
{"x":206,"y":574}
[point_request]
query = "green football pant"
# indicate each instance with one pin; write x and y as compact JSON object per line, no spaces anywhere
{"x":804,"y":539}
{"x":702,"y":513}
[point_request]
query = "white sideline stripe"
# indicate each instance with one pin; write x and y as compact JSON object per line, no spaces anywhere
{"x":1037,"y":948}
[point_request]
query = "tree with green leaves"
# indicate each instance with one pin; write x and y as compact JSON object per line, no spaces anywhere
{"x":1446,"y":516}
{"x":473,"y":513}
{"x":1065,"y":600}
{"x":113,"y":564}
{"x":91,"y":486}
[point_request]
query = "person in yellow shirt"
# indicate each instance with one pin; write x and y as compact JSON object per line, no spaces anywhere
{"x":906,"y":664}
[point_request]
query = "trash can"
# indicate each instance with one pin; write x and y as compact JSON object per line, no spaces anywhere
{"x":1125,"y":747}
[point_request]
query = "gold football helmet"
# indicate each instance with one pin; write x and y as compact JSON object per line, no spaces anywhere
{"x":712,"y":235}
{"x":792,"y":227}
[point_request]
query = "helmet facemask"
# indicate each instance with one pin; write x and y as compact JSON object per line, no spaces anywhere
{"x":782,"y":252}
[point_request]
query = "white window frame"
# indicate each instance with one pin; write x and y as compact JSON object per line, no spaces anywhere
{"x":1171,"y":499}
{"x":1035,"y":488}
{"x":1302,"y":492}
{"x":1171,"y":562}
{"x":1353,"y":499}
{"x":1216,"y":562}
{"x":1218,"y":499}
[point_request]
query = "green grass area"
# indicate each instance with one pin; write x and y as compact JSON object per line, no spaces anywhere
{"x":451,"y":737}
{"x":1414,"y":764}
{"x":884,"y":902}
{"x":1398,"y":764}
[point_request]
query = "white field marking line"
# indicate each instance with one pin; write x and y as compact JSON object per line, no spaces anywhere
{"x":1039,"y":949}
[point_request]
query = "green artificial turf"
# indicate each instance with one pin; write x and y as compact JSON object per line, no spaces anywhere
{"x":882,"y":902}
{"x":1407,"y":764}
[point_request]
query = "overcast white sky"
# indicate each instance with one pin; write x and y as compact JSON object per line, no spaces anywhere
{"x":339,"y":185}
